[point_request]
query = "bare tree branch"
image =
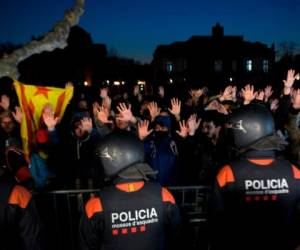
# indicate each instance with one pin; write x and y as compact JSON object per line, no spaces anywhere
{"x":57,"y":38}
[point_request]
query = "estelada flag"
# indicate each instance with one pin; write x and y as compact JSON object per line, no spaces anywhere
{"x":32,"y":99}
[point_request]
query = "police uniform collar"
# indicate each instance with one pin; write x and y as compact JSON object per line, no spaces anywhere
{"x":268,"y":143}
{"x":138,"y":171}
{"x":255,"y":154}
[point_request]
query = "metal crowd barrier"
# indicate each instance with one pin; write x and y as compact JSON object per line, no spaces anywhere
{"x":61,"y":211}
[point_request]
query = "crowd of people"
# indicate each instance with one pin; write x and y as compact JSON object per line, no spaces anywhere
{"x":197,"y":138}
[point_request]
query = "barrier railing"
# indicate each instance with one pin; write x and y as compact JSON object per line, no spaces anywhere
{"x":61,"y":211}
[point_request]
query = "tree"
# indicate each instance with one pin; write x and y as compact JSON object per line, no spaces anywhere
{"x":56,"y":38}
{"x":286,"y":49}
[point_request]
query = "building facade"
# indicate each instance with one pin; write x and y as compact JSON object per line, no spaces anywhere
{"x":214,"y":61}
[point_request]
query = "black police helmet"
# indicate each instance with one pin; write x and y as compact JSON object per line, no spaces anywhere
{"x":251,"y":123}
{"x":119,"y":150}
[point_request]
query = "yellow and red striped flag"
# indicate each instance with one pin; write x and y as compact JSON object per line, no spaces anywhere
{"x":32,"y":99}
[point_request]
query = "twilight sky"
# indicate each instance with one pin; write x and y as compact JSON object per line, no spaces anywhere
{"x":134,"y":28}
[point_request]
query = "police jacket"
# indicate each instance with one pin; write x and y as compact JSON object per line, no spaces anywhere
{"x":255,"y":204}
{"x":19,"y":223}
{"x":129,"y":215}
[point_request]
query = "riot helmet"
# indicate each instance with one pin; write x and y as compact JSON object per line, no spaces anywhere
{"x":250,"y":124}
{"x":118,"y":151}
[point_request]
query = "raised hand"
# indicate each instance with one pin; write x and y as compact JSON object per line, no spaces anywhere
{"x":274,"y":104}
{"x":125,"y":113}
{"x":213,"y":105}
{"x":143,"y":130}
{"x":289,"y":81}
{"x":18,"y":114}
{"x":268,"y":92}
{"x":184,"y":130}
{"x":49,"y":117}
{"x":101,"y":113}
{"x":290,"y":78}
{"x":248,"y":94}
{"x":175,"y":108}
{"x":69,"y":85}
{"x":86,"y":124}
{"x":193,"y":124}
{"x":226,"y":95}
{"x":221,"y":109}
{"x":154,"y":110}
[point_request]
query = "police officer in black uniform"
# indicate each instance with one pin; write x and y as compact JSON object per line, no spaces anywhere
{"x":255,"y":199}
{"x":20,"y":227}
{"x":134,"y":212}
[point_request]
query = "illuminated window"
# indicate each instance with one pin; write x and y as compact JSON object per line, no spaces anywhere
{"x":218,"y":65}
{"x":249,"y":65}
{"x":265,"y":66}
{"x":169,"y":67}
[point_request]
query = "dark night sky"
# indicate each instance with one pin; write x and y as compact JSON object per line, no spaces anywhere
{"x":135,"y":28}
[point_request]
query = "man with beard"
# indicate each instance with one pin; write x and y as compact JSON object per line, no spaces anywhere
{"x":203,"y":151}
{"x":211,"y":145}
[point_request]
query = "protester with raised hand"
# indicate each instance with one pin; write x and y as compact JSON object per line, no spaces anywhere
{"x":175,"y":108}
{"x":248,"y":94}
{"x":289,"y":81}
{"x":160,"y":147}
{"x":267,"y":93}
{"x":292,"y":126}
{"x":154,"y":110}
